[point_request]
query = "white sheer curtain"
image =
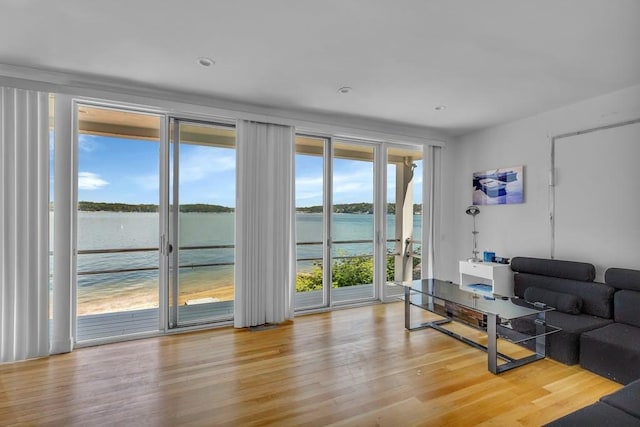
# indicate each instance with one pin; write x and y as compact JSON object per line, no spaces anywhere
{"x":24,"y":224}
{"x":265,"y":224}
{"x":432,"y":171}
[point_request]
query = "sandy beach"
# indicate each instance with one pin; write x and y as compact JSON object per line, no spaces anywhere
{"x":115,"y":297}
{"x":130,"y":299}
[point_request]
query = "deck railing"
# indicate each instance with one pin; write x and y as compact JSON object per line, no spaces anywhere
{"x":216,"y":264}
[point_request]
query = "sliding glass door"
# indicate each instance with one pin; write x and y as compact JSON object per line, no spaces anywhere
{"x":312,"y":285}
{"x":353,"y":225}
{"x":201,"y":226}
{"x":155,"y":222}
{"x":117,"y":257}
{"x":336,"y":217}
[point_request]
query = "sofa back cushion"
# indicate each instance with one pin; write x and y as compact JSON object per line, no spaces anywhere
{"x":566,"y":303}
{"x":623,"y":278}
{"x":571,"y":270}
{"x":597,"y":298}
{"x":626,"y":305}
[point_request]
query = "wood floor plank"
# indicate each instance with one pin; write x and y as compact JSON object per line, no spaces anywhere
{"x":349,"y":367}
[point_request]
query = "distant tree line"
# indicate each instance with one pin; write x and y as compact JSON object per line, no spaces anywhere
{"x":357,"y":208}
{"x":115,"y":207}
{"x":123,"y":207}
{"x":348,"y":208}
{"x":201,"y":207}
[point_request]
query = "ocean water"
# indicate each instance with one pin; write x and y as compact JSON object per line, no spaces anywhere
{"x":101,"y":290}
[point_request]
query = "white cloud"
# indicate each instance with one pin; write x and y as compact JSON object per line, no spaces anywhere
{"x":315,"y":197}
{"x":309,"y":181}
{"x":202,"y":162}
{"x":90,"y":181}
{"x":196,"y":164}
{"x":352,"y":183}
{"x":309,"y":190}
{"x":147,"y":182}
{"x":88,"y":143}
{"x":358,"y":182}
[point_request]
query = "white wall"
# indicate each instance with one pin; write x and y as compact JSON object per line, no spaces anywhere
{"x":597,"y":190}
{"x":522,"y":229}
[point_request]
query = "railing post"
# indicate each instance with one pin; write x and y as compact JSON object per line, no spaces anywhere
{"x":404,"y":220}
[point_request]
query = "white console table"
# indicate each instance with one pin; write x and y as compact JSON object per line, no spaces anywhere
{"x":496,"y":278}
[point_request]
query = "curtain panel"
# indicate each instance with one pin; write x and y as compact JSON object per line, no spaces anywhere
{"x":433,"y":188}
{"x":24,"y":224}
{"x":265,"y":224}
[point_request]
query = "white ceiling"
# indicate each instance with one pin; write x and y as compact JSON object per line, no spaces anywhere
{"x":488,"y":61}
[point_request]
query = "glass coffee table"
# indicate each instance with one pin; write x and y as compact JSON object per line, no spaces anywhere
{"x":512,"y":319}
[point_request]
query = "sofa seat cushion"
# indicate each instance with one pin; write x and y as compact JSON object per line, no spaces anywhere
{"x":597,"y":415}
{"x":612,"y":351}
{"x":563,"y":346}
{"x":576,"y":323}
{"x":626,"y":399}
{"x":565,"y":303}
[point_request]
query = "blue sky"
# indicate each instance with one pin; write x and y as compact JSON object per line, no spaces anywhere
{"x":126,"y":171}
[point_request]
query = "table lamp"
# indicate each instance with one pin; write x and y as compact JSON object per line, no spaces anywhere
{"x":473,"y":211}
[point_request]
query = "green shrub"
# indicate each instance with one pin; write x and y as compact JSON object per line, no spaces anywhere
{"x":352,"y":271}
{"x":310,"y":281}
{"x":345,"y":272}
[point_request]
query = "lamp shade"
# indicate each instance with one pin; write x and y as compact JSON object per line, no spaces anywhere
{"x":472,"y":210}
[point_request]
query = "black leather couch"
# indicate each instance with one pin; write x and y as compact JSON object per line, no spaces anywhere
{"x":600,"y":330}
{"x":620,"y":409}
{"x":613,"y":351}
{"x":581,"y":304}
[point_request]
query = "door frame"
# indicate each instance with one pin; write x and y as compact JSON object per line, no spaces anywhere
{"x":76,"y":104}
{"x":378,"y":217}
{"x":171,"y":223}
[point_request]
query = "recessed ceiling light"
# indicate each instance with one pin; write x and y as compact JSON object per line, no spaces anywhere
{"x":440,"y":107}
{"x":345,"y":89}
{"x":206,"y":62}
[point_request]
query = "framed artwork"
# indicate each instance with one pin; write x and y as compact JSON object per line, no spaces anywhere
{"x":498,"y":186}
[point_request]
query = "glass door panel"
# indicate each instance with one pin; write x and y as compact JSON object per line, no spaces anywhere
{"x":117,"y":285}
{"x":310,"y":220}
{"x":404,"y":216}
{"x":203,"y":222}
{"x":353,"y":225}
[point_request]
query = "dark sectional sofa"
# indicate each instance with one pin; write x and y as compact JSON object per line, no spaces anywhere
{"x":613,"y":351}
{"x":600,"y":330}
{"x":581,"y":304}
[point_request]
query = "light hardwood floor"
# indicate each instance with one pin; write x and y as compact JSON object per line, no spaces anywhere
{"x":354,"y":367}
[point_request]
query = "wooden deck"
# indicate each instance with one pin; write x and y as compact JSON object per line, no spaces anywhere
{"x":96,"y":326}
